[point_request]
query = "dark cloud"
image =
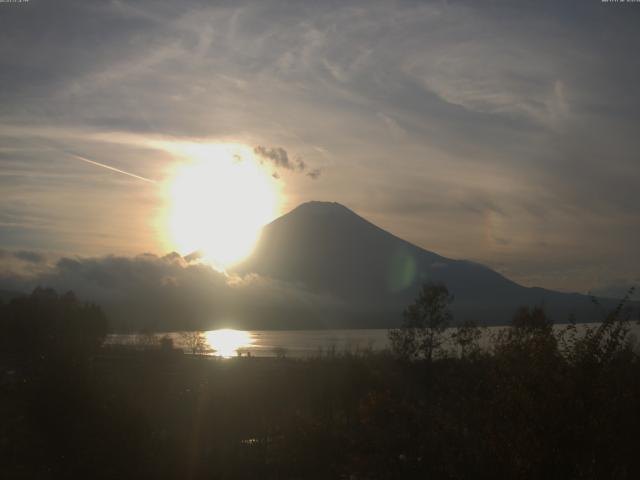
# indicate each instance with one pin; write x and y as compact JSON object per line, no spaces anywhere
{"x":175,"y":292}
{"x":31,"y":257}
{"x":277,"y":155}
{"x":280,"y":159}
{"x":22,"y":264}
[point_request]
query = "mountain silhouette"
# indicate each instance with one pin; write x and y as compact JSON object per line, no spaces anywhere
{"x":329,"y":249}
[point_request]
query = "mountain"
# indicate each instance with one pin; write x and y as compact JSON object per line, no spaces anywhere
{"x":328,"y":249}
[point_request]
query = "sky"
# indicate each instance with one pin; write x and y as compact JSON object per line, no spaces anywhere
{"x":501,"y":132}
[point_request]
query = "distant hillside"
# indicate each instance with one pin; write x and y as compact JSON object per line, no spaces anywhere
{"x":330,"y":249}
{"x":6,"y":295}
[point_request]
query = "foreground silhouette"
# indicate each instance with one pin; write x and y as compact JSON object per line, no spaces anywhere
{"x":534,"y":405}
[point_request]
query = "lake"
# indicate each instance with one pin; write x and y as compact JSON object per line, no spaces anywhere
{"x":267,"y":343}
{"x":290,"y":343}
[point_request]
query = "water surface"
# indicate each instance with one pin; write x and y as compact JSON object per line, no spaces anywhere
{"x":290,"y":343}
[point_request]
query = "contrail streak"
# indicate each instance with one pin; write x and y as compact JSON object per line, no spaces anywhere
{"x":114,"y":169}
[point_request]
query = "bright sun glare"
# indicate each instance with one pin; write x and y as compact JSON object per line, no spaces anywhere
{"x":227,"y":342}
{"x":219,"y":201}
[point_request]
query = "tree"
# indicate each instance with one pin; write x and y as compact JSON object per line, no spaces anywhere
{"x":601,"y":343}
{"x":166,"y":344}
{"x":425,"y":321}
{"x":44,"y":328}
{"x":528,"y":343}
{"x":467,"y":338}
{"x":194,"y":341}
{"x":531,"y":334}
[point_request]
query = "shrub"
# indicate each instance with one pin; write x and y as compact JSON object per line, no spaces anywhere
{"x":421,"y":333}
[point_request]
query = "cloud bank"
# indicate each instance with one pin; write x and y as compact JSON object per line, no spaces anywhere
{"x":148,"y":292}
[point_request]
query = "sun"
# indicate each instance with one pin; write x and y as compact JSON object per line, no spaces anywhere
{"x":226,"y":342}
{"x":220,"y":197}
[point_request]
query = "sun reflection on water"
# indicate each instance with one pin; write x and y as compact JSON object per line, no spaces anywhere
{"x":226,"y":342}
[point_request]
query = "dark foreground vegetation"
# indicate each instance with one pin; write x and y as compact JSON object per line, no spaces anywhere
{"x":534,"y":405}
